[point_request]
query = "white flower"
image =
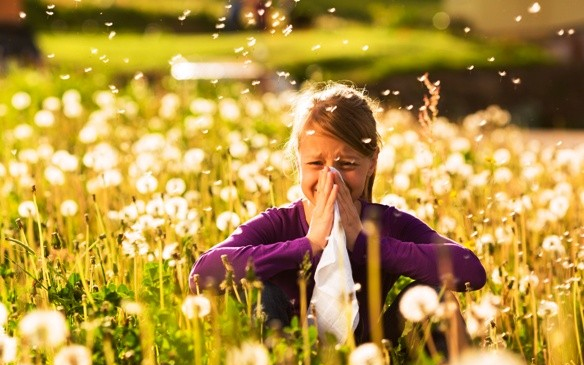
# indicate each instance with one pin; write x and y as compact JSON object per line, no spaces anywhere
{"x":134,"y":243}
{"x":553,"y":243}
{"x":52,"y":103}
{"x":486,"y":357}
{"x":202,"y":106}
{"x":249,"y":353}
{"x":146,"y":184}
{"x":502,"y":175}
{"x":196,"y":306}
{"x":294,"y":193}
{"x":228,"y":193}
{"x":44,"y":328}
{"x":366,"y":354}
{"x":7,"y":349}
{"x":21,"y":100}
{"x":65,"y":161}
{"x":547,"y":308}
{"x":559,"y":206}
{"x":418,"y":303}
{"x":401,"y":182}
{"x":238,"y":149}
{"x":27,"y":209}
{"x":44,"y":118}
{"x":23,"y":131}
{"x":502,"y":156}
{"x":69,"y":208}
{"x":3,"y":316}
{"x":175,"y":186}
{"x":227,"y":219}
{"x":176,"y":207}
{"x":229,"y":109}
{"x":54,"y":176}
{"x":386,"y":159}
{"x":193,"y":159}
{"x":73,"y":355}
{"x":132,"y":307}
{"x":169,"y":250}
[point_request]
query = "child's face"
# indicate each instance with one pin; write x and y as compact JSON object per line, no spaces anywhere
{"x":317,"y":150}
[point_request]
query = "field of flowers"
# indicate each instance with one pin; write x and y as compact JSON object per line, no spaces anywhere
{"x":108,"y":194}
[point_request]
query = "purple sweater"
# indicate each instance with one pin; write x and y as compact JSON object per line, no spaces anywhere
{"x":276,"y":241}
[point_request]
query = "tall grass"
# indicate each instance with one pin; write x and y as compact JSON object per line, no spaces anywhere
{"x":109,"y":194}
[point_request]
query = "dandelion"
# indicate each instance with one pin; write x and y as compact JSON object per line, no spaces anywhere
{"x":228,"y":193}
{"x":43,"y":328}
{"x":227,"y":219}
{"x":27,"y":209}
{"x":366,"y":354}
{"x":176,"y":207}
{"x":193,"y":159}
{"x":7,"y":349}
{"x":21,"y":100}
{"x":54,"y":176}
{"x":134,"y":244}
{"x":65,"y":161}
{"x":146,"y":184}
{"x":229,"y":109}
{"x":547,"y":308}
{"x":559,"y":205}
{"x":3,"y":316}
{"x":418,"y":303}
{"x":69,"y":208}
{"x":553,"y":243}
{"x":175,"y":186}
{"x":249,"y":353}
{"x":488,"y":357}
{"x":131,"y":307}
{"x":23,"y":132}
{"x":73,"y":355}
{"x":44,"y":118}
{"x":401,"y":182}
{"x":196,"y":306}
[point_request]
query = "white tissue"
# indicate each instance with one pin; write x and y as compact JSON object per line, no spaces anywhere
{"x":334,"y":286}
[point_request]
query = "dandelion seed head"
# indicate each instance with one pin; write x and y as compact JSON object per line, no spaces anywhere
{"x":175,"y":186}
{"x":69,"y":208}
{"x":73,"y":355}
{"x":418,"y":303}
{"x":146,"y":184}
{"x":8,"y":348}
{"x":227,"y":220}
{"x":43,"y":328}
{"x":27,"y":209}
{"x":499,"y":356}
{"x":547,"y":308}
{"x":249,"y":353}
{"x":553,"y":244}
{"x":366,"y":354}
{"x":196,"y":306}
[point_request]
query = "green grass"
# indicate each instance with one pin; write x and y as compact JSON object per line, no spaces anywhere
{"x":335,"y":52}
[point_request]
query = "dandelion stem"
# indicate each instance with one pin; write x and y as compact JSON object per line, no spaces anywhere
{"x":374,"y":281}
{"x":44,"y":268}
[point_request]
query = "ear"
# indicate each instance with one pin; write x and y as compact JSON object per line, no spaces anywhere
{"x":373,"y":166}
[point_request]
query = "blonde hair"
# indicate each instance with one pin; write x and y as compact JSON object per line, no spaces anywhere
{"x":342,"y":111}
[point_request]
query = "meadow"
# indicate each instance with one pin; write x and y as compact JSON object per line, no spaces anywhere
{"x":109,"y":194}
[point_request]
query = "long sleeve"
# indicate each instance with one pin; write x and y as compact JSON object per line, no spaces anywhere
{"x":410,"y":247}
{"x":274,"y":240}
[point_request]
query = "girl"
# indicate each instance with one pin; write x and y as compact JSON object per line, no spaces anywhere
{"x":334,"y":127}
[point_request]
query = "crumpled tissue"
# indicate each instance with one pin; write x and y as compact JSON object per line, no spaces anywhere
{"x":337,"y":309}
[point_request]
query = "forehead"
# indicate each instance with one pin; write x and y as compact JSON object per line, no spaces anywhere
{"x":319,"y":143}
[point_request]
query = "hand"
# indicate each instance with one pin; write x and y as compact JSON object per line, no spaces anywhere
{"x":349,"y":210}
{"x":321,"y":220}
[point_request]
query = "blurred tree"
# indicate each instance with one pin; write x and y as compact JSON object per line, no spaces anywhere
{"x":16,"y":37}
